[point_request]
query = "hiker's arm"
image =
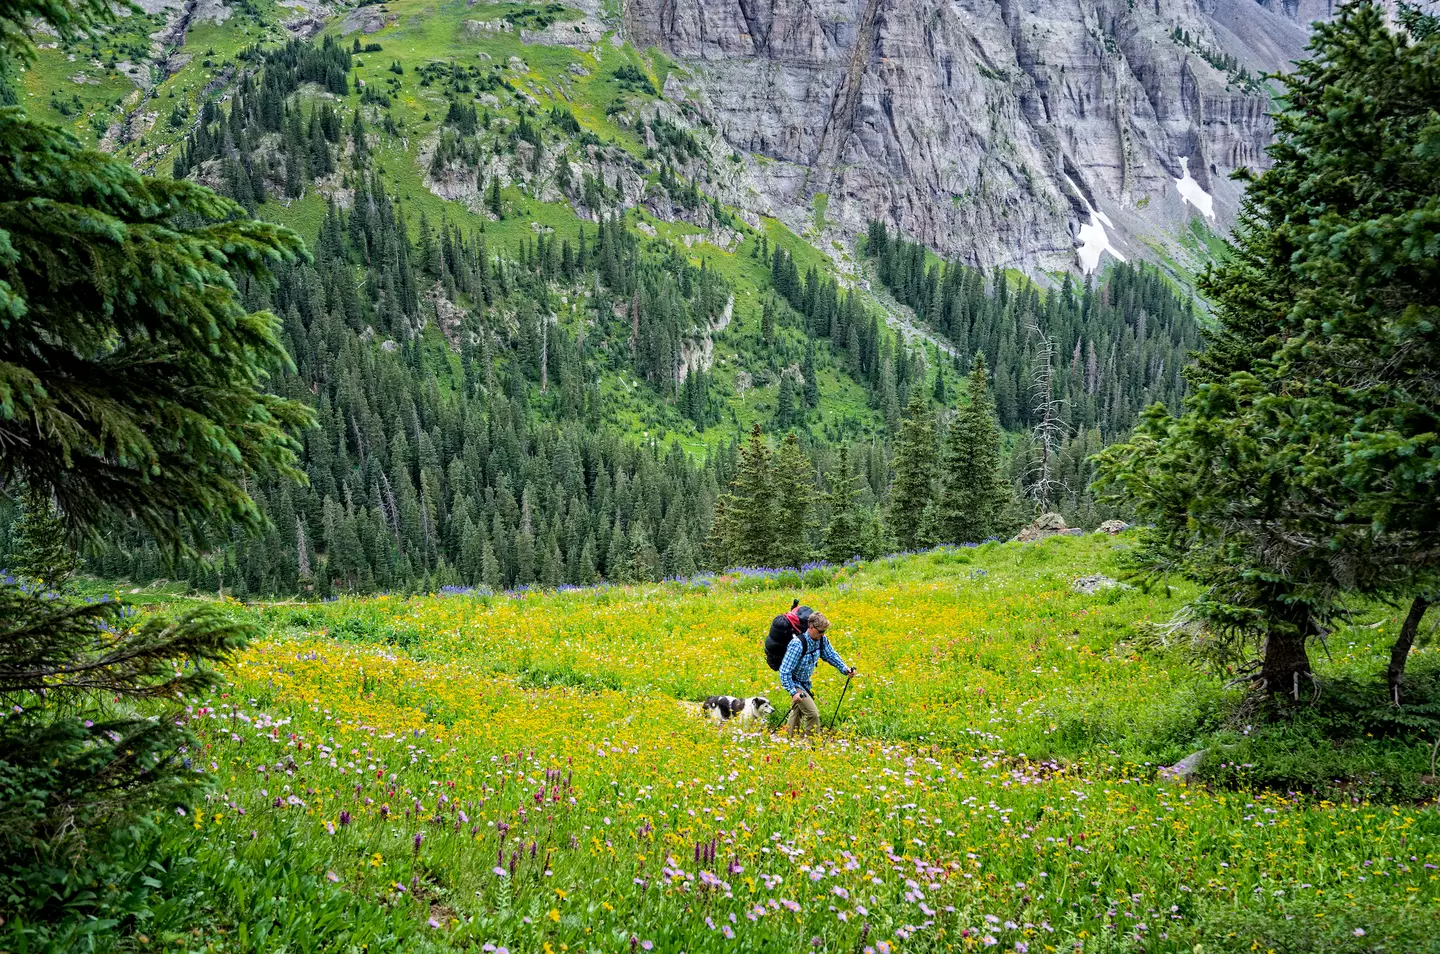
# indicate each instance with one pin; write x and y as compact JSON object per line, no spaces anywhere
{"x":787,"y":666}
{"x":828,"y":653}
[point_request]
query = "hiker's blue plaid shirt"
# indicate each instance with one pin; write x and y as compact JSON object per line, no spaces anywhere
{"x":800,"y":659}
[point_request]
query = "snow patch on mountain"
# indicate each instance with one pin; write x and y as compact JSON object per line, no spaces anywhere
{"x":1191,"y":191}
{"x":1094,"y":240}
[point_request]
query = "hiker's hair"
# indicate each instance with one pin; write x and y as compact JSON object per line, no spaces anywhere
{"x":819,"y":622}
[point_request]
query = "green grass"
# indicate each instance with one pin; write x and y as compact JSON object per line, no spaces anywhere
{"x":818,"y":205}
{"x":994,"y":776}
{"x":103,"y":96}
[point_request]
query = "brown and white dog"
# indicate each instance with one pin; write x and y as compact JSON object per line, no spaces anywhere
{"x":743,"y":711}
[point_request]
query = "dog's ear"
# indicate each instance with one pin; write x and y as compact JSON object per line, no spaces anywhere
{"x":760,"y":702}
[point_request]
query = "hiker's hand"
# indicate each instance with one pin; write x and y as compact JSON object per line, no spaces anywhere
{"x":852,"y":672}
{"x":795,"y":696}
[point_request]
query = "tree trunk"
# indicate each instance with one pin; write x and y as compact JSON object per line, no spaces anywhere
{"x":1286,"y":667}
{"x":1400,"y":652}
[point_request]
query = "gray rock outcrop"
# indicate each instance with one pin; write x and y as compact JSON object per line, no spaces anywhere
{"x":992,"y":131}
{"x":1045,"y":525}
{"x":1090,"y":585}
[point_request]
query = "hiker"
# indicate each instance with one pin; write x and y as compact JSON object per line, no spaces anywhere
{"x":798,"y":666}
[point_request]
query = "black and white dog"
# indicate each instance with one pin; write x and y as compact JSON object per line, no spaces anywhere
{"x":743,"y":711}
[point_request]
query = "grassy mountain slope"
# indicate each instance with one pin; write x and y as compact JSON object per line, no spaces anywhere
{"x":144,"y":105}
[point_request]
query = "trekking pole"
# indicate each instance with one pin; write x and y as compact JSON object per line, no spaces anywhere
{"x":840,"y":700}
{"x":787,"y":715}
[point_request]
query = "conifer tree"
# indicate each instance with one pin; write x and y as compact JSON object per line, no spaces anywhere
{"x":617,"y":562}
{"x":719,"y":552}
{"x":751,"y":511}
{"x":357,"y":136}
{"x":644,"y":561}
{"x":491,"y":573}
{"x":588,"y":572}
{"x":844,"y":536}
{"x":130,"y":389}
{"x":128,"y":367}
{"x":785,"y":402}
{"x":40,"y":550}
{"x":1303,"y":466}
{"x":914,"y":463}
{"x":812,"y":383}
{"x":875,"y":537}
{"x":973,"y":490}
{"x":472,"y":553}
{"x":494,"y":202}
{"x":794,"y":499}
{"x":525,"y":571}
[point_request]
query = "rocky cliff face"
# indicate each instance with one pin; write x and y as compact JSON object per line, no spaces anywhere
{"x":1019,"y":133}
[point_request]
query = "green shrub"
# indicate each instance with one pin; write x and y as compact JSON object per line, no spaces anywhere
{"x":631,"y":78}
{"x":818,"y":576}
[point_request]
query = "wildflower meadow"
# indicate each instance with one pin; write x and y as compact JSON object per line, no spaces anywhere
{"x":522,"y":773}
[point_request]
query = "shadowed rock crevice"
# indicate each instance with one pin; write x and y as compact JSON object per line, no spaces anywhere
{"x":840,"y":121}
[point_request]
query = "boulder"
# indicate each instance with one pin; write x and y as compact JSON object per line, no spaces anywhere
{"x":1112,"y":527}
{"x":1045,"y":525}
{"x":1183,"y":770}
{"x":1090,"y":585}
{"x":1049,"y":521}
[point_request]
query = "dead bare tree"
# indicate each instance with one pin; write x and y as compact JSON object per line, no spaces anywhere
{"x":1049,"y":429}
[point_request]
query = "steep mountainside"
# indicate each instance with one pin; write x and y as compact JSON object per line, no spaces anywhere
{"x":1023,"y":135}
{"x":552,"y":284}
{"x":1006,"y":133}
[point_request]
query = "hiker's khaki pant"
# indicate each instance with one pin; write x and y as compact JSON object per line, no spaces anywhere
{"x":804,"y":716}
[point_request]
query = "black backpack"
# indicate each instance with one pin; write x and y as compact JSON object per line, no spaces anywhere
{"x":778,"y":639}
